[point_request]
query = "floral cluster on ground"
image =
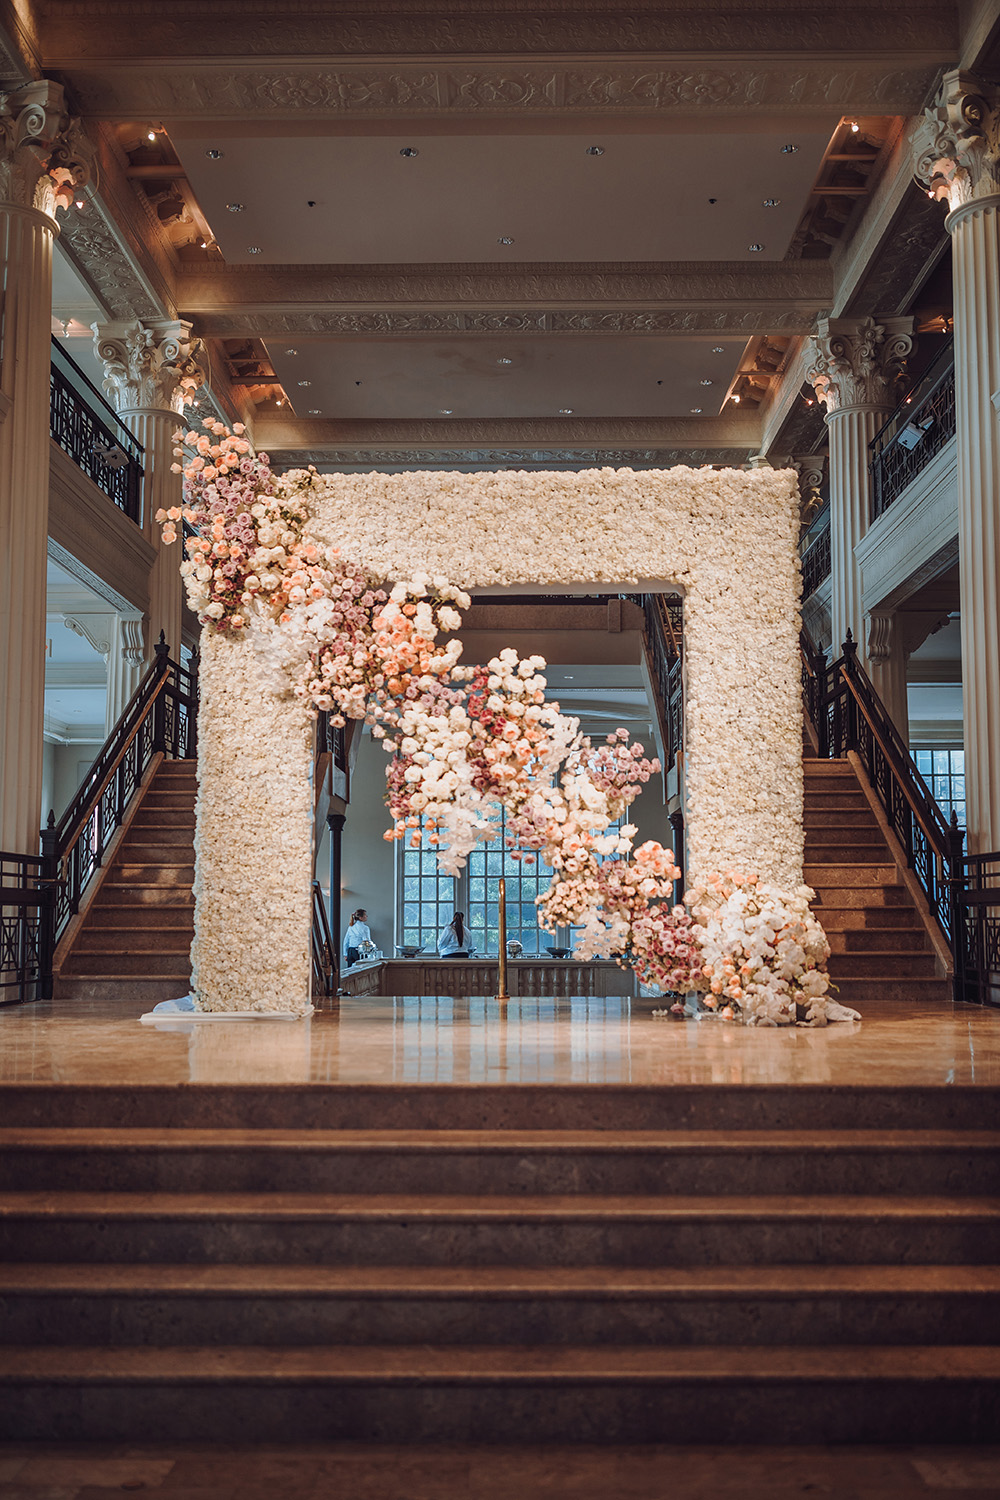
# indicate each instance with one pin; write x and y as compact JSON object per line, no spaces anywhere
{"x":333,"y":636}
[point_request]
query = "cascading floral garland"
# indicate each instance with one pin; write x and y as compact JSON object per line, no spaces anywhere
{"x":463,"y":739}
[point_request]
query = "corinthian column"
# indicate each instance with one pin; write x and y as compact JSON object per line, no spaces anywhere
{"x":151,"y":373}
{"x":957,"y":150}
{"x":853,"y":366}
{"x":43,"y":160}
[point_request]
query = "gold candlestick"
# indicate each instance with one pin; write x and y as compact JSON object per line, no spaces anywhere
{"x":502,"y":994}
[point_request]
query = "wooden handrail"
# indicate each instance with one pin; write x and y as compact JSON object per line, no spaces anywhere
{"x":67,"y":841}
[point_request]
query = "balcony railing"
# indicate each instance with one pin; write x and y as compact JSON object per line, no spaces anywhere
{"x":815,"y":558}
{"x":918,"y":428}
{"x":85,"y":427}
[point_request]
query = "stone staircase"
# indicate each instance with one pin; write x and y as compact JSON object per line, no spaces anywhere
{"x":881,"y":948}
{"x":135,"y":937}
{"x":499,"y":1264}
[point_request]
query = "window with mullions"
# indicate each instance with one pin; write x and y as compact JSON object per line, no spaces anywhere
{"x":944,"y":772}
{"x":426,"y":897}
{"x":487,"y":863}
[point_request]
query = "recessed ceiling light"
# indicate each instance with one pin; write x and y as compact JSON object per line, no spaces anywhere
{"x":696,"y":411}
{"x":305,"y":382}
{"x":214,"y":154}
{"x":291,"y":351}
{"x":706,"y":382}
{"x":505,"y":239}
{"x":855,"y":127}
{"x":595,"y":150}
{"x":409,"y":151}
{"x":314,"y":411}
{"x":735,"y":399}
{"x":79,"y":203}
{"x":718,"y":349}
{"x":151,"y":134}
{"x":503,"y":360}
{"x":446,"y":411}
{"x":254,"y":249}
{"x":235,"y":208}
{"x":788,"y":150}
{"x":755,"y":247}
{"x":565,"y":411}
{"x":770,"y":202}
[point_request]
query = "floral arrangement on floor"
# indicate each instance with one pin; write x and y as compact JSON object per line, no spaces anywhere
{"x":322,"y":633}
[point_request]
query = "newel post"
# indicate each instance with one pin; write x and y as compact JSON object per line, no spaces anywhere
{"x":161,"y":652}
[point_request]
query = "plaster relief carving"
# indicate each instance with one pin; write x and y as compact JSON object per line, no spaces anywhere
{"x":957,"y":144}
{"x":656,"y":458}
{"x":152,"y":367}
{"x":629,"y":321}
{"x":45,"y":158}
{"x":95,"y":249}
{"x":857,"y":361}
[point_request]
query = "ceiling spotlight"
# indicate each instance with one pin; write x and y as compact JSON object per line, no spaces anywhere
{"x":291,"y":351}
{"x":788,"y":150}
{"x":696,"y":411}
{"x":151,"y":135}
{"x":718,"y":349}
{"x":446,"y":411}
{"x":770,"y":202}
{"x":735,"y":399}
{"x":204,"y":244}
{"x":214,"y":154}
{"x":505,"y":239}
{"x":755,"y":247}
{"x":855,"y":127}
{"x":409,"y":151}
{"x":707,"y":382}
{"x":235,"y":208}
{"x":79,"y":203}
{"x":279,"y":403}
{"x":503,"y":360}
{"x":305,"y":382}
{"x":254,"y":249}
{"x":595,"y":150}
{"x":565,"y":411}
{"x":314,"y":411}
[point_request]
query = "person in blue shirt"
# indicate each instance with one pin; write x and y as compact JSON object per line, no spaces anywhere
{"x":453,"y":942}
{"x":358,"y":933}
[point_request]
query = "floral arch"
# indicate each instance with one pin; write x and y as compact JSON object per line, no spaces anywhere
{"x":265,"y":570}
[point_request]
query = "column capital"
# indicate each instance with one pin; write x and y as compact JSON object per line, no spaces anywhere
{"x":152,"y":366}
{"x":45,"y":157}
{"x":811,"y":470}
{"x":956,"y":146}
{"x":856,"y":361}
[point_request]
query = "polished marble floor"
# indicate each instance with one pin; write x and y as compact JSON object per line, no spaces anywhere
{"x":439,"y":1039}
{"x":361,"y":1472}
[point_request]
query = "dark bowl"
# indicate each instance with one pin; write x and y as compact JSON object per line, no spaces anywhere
{"x":407,"y":950}
{"x":559,"y":952}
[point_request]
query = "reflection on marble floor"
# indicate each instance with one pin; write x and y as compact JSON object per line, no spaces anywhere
{"x":441,"y":1039}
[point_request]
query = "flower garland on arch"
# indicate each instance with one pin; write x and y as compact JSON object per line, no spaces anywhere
{"x":461,"y":738}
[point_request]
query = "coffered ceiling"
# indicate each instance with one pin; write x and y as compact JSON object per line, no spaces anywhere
{"x":492,"y":233}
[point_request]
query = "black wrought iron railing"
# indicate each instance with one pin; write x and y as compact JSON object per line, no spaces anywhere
{"x":663,"y":637}
{"x":976,"y":902}
{"x":86,"y":427}
{"x":917,"y":430}
{"x":324,"y":950}
{"x":27,"y":909}
{"x":160,"y":719}
{"x":815,"y":559}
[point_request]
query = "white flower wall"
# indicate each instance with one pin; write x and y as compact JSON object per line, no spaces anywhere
{"x":726,"y":539}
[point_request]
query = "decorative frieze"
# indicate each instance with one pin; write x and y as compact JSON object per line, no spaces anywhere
{"x":598,"y":458}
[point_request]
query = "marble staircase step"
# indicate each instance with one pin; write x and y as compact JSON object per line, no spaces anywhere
{"x":845,"y":894}
{"x":143,"y":962}
{"x":305,"y":1306}
{"x":671,"y":1163}
{"x":130,"y":915}
{"x":115,"y":893}
{"x":860,"y":851}
{"x":826,"y":817}
{"x":861,"y":991}
{"x":867,"y":918}
{"x":121,"y":940}
{"x":876,"y":963}
{"x":886,"y":940}
{"x":471,"y":1229}
{"x":844,"y":799}
{"x":151,"y":872}
{"x":853,"y":873}
{"x":142,"y":848}
{"x":485,"y":1393}
{"x":142,"y":993}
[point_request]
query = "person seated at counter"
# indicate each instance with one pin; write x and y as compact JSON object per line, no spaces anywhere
{"x":359,"y":932}
{"x":452,"y":942}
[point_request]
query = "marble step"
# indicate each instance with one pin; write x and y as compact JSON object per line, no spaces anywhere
{"x":669,"y":1163}
{"x":873,"y":919}
{"x":885,"y":940}
{"x":141,"y":848}
{"x":119,"y":940}
{"x":896,"y":1104}
{"x":822,"y":876}
{"x":141,"y":960}
{"x":474,"y":1229}
{"x":158,"y":819}
{"x":819,"y":852}
{"x":861,"y":991}
{"x":115,"y":894}
{"x":882,"y":964}
{"x":848,"y":894}
{"x":151,"y":872}
{"x":830,"y":800}
{"x":116,"y":1305}
{"x":140,"y":993}
{"x":514,"y":1394}
{"x":132,"y":915}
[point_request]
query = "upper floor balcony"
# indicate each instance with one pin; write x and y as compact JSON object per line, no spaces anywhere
{"x":89,"y":430}
{"x":918,"y":429}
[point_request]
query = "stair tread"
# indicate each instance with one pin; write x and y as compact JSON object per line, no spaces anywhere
{"x":499,"y":1282}
{"x":612,"y":1143}
{"x":457,"y":1207}
{"x":492,"y":1364}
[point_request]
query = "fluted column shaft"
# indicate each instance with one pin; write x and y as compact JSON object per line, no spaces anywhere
{"x":26,"y":239}
{"x":160,"y":490}
{"x":975,"y":230}
{"x":851,"y":429}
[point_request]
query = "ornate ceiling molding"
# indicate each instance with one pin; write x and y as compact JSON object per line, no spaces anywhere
{"x":728,"y":321}
{"x":175,"y":89}
{"x":257,"y":28}
{"x":490,"y":457}
{"x":275,"y":434}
